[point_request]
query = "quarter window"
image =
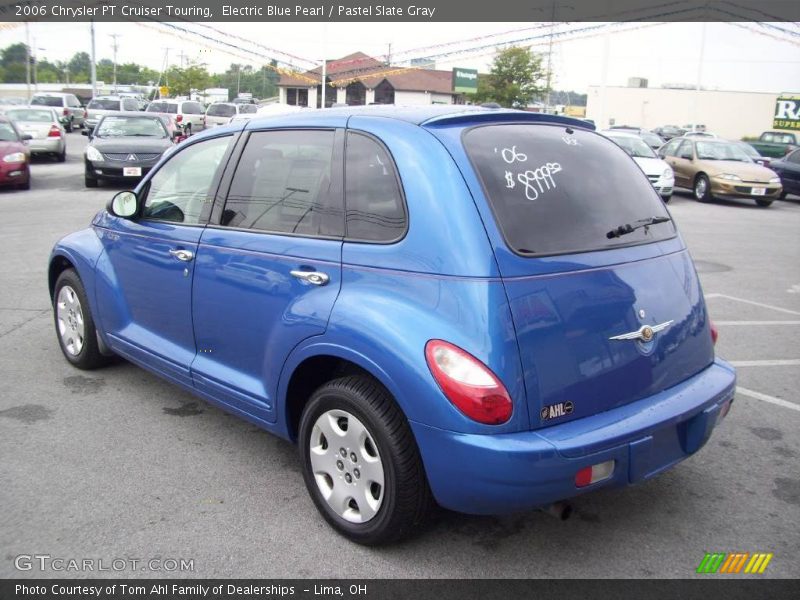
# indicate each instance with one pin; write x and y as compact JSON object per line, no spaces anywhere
{"x":178,"y":192}
{"x":284,"y":183}
{"x":375,"y":209}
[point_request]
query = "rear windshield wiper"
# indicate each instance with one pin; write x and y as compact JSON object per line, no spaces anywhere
{"x":628,"y":228}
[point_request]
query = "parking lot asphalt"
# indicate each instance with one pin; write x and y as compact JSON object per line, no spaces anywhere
{"x":116,"y":463}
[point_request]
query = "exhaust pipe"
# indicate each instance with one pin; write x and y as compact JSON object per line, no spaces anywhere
{"x":560,"y":510}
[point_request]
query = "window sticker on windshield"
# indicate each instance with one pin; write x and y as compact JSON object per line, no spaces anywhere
{"x":536,"y":181}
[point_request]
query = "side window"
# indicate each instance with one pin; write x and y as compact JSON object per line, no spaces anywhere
{"x":285,"y":182}
{"x":767,"y":137}
{"x":178,"y":191}
{"x":129,"y":104}
{"x":685,"y":151}
{"x":374,"y":202}
{"x":794,"y":157}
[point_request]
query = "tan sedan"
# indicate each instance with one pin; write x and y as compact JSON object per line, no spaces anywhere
{"x":715,"y":168}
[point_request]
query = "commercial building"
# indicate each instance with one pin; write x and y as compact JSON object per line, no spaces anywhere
{"x":729,"y":114}
{"x":358,"y":79}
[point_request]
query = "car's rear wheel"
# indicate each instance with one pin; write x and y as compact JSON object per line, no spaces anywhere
{"x":702,"y":189}
{"x":75,"y":328}
{"x":68,"y":126}
{"x":187,"y":131}
{"x":62,"y":157}
{"x":763,"y":203}
{"x":360,"y":462}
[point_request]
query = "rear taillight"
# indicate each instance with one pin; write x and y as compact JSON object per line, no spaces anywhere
{"x":66,"y":112}
{"x":468,"y":383}
{"x":54,"y":131}
{"x":595,"y":473}
{"x":714,"y":331}
{"x":85,"y":113}
{"x":179,"y":118}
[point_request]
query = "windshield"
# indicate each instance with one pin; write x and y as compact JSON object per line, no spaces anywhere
{"x":7,"y":133}
{"x":221,"y":110}
{"x":131,"y":126}
{"x":248,"y":108}
{"x":634,"y":146}
{"x":47,"y":101}
{"x":163,"y":107}
{"x":750,"y":151}
{"x":720,"y":151}
{"x":103,"y":104}
{"x":30,"y":115}
{"x":651,"y":139}
{"x":556,"y":190}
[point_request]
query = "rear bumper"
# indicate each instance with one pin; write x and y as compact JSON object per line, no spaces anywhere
{"x":494,"y":474}
{"x":46,"y":145}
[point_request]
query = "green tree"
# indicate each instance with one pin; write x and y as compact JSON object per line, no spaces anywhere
{"x":516,"y":79}
{"x":12,"y":61}
{"x":80,"y":68}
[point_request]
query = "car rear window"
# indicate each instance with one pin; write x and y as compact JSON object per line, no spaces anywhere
{"x":192,"y":108}
{"x":221,"y":110}
{"x":103,"y":104}
{"x":556,"y":190}
{"x":247,"y":108}
{"x":163,"y":107}
{"x":47,"y":101}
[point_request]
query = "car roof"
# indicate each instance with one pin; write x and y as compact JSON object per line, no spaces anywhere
{"x":52,"y":94}
{"x":429,"y":114}
{"x":620,"y":133}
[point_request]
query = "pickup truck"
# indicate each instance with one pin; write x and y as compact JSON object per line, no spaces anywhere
{"x":775,"y":144}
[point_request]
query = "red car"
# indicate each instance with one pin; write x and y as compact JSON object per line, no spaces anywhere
{"x":14,"y":156}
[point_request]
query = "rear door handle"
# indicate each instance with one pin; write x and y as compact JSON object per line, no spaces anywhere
{"x":181,"y":254}
{"x":312,"y":277}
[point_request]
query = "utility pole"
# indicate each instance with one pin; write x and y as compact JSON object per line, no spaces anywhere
{"x":28,"y":61}
{"x":93,"y":66}
{"x":699,"y":77}
{"x":166,"y":69}
{"x":66,"y":73}
{"x":324,"y":80}
{"x":550,"y":53}
{"x":181,"y":55}
{"x":114,"y":36}
{"x":389,"y":55}
{"x":238,"y":78}
{"x":35,"y":78}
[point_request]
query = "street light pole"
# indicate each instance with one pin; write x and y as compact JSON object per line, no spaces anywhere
{"x":115,"y":46}
{"x":93,"y":66}
{"x":28,"y":61}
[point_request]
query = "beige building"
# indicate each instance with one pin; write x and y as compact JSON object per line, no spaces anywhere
{"x":728,"y":114}
{"x":358,"y":79}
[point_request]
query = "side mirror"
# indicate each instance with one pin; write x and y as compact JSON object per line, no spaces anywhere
{"x":124,"y":205}
{"x":26,"y":136}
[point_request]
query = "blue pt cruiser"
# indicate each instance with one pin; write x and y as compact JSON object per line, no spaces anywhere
{"x":486,"y":309}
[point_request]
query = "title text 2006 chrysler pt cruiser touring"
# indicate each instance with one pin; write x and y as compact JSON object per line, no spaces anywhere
{"x":488,"y":309}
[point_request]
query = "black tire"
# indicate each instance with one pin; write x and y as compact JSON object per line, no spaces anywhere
{"x":91,"y":182}
{"x":702,"y":189}
{"x":89,"y":356}
{"x":666,"y":199}
{"x":784,"y":193}
{"x":68,"y":126}
{"x":763,"y":203}
{"x":406,"y":497}
{"x":187,"y":131}
{"x":26,"y":185}
{"x":63,"y":156}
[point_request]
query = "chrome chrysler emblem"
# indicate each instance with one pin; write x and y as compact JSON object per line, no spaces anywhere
{"x":131,"y":157}
{"x":645,"y":333}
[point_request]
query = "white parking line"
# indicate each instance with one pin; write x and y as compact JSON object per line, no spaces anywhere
{"x":766,"y":398}
{"x":761,"y":304}
{"x":793,"y":362}
{"x":756,"y":323}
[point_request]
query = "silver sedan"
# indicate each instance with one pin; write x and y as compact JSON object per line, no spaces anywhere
{"x":42,"y":124}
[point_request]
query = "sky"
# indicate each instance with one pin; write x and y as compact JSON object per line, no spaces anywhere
{"x":735,"y":57}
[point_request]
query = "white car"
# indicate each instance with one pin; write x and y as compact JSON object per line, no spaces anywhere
{"x":221,"y":113}
{"x":268,"y":110}
{"x":187,"y":113}
{"x":658,"y":172}
{"x":43,"y":125}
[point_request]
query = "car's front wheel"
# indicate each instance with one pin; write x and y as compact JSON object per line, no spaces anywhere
{"x":763,"y":203}
{"x":74,"y":324}
{"x":702,"y":189}
{"x":360,"y":462}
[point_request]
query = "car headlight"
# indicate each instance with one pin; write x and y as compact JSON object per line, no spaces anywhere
{"x":14,"y":157}
{"x":775,"y":180}
{"x":93,"y":153}
{"x":668,"y":174}
{"x":730,"y":177}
